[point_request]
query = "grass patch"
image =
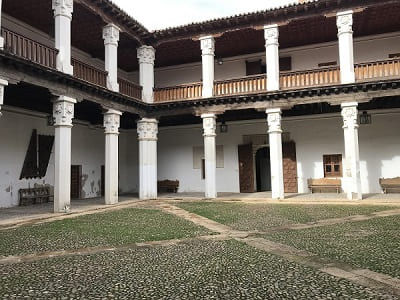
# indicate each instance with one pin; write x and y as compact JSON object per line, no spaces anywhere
{"x":372,"y":244}
{"x":115,"y":228}
{"x":261,"y":217}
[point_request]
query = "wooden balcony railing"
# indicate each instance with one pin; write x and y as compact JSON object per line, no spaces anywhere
{"x":26,"y":48}
{"x":130,"y":89}
{"x":89,"y":73}
{"x":317,"y":77}
{"x":249,"y":84}
{"x":180,"y":92}
{"x":377,"y":69}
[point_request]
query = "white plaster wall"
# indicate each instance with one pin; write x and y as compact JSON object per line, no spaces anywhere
{"x":88,"y":148}
{"x":314,"y":137}
{"x":366,"y":49}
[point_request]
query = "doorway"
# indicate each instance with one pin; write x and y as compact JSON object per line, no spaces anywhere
{"x":103,"y":181}
{"x":263,"y":170}
{"x":76,"y":174}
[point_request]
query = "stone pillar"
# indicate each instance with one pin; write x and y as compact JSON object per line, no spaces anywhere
{"x":346,"y":55}
{"x":3,"y":84}
{"x":351,"y":170}
{"x":146,"y":56}
{"x":275,"y":145}
{"x":271,"y":33}
{"x":111,"y":39}
{"x":111,"y":125}
{"x":210,"y":156}
{"x":147,"y":131}
{"x":63,"y":113}
{"x":207,"y":44}
{"x":63,"y":16}
{"x":1,"y":38}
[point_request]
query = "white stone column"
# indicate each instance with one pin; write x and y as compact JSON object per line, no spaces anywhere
{"x":111,"y":125}
{"x":346,"y":53}
{"x":210,"y":156}
{"x":111,"y":39}
{"x":271,"y":33}
{"x":63,"y":10}
{"x":275,"y":145}
{"x":351,"y":174}
{"x":147,"y":131}
{"x":207,"y":44}
{"x":146,"y":56}
{"x":3,"y":84}
{"x":1,"y":38}
{"x":63,"y":113}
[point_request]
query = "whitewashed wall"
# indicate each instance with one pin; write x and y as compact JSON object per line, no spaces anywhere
{"x":314,"y":137}
{"x":87,"y":150}
{"x":366,"y":49}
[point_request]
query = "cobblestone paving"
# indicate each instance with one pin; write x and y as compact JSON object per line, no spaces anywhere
{"x":192,"y":270}
{"x":115,"y":228}
{"x":372,"y":244}
{"x":263,"y":217}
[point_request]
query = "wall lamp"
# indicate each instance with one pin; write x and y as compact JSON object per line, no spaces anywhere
{"x":365,"y":118}
{"x":223,"y":128}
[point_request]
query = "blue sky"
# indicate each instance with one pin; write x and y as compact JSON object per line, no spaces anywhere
{"x":159,"y":14}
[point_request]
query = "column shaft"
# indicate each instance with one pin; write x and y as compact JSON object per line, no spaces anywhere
{"x":146,"y":56}
{"x":275,"y":144}
{"x":147,"y":131}
{"x":63,"y":16}
{"x":111,"y":38}
{"x":208,"y":48}
{"x":63,"y":113}
{"x":210,"y":156}
{"x":272,"y":56}
{"x":1,"y":38}
{"x":346,"y":52}
{"x":3,"y":84}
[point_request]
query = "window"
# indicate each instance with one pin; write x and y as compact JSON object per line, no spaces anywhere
{"x":327,"y":64}
{"x":257,"y":67}
{"x":332,"y":165}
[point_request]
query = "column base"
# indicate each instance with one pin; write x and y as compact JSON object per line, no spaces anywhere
{"x":354,"y":196}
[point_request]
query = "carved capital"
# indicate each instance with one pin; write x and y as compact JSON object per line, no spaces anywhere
{"x":274,"y":120}
{"x":3,"y":84}
{"x":344,"y":21}
{"x":147,"y":129}
{"x":146,"y":55}
{"x":350,"y":115}
{"x":112,"y":121}
{"x":111,"y":34}
{"x":271,"y":34}
{"x":63,"y":111}
{"x":63,"y":8}
{"x":207,"y":44}
{"x":209,"y":124}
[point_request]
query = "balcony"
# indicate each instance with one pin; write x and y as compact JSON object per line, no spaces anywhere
{"x":364,"y":72}
{"x":33,"y":51}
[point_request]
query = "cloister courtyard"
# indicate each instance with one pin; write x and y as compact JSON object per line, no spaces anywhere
{"x":196,"y":249}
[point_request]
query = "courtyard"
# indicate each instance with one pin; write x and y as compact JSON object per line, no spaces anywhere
{"x":191,"y":249}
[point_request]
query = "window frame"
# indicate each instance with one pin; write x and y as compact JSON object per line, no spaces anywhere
{"x":332,"y":160}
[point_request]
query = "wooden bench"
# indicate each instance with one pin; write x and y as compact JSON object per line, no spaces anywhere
{"x":325,"y":184}
{"x":390,"y":185}
{"x":168,"y":186}
{"x":34,"y":196}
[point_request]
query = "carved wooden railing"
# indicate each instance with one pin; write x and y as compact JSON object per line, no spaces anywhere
{"x":179,"y":92}
{"x":89,"y":73}
{"x":248,"y":84}
{"x":129,"y":88}
{"x":317,"y":77}
{"x":377,"y":69}
{"x":29,"y":49}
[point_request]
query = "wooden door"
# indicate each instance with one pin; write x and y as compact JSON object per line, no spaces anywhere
{"x":246,"y":168}
{"x":289,"y":167}
{"x":76,"y":172}
{"x":103,"y":181}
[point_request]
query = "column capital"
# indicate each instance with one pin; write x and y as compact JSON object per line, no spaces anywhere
{"x":209,"y":124}
{"x":344,"y":21}
{"x":3,"y":84}
{"x":147,"y":129}
{"x":63,"y":8}
{"x":271,"y":34}
{"x":207,"y":44}
{"x":350,"y":115}
{"x":274,"y":120}
{"x":146,"y":55}
{"x":111,"y":34}
{"x":63,"y":111}
{"x":112,"y":121}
